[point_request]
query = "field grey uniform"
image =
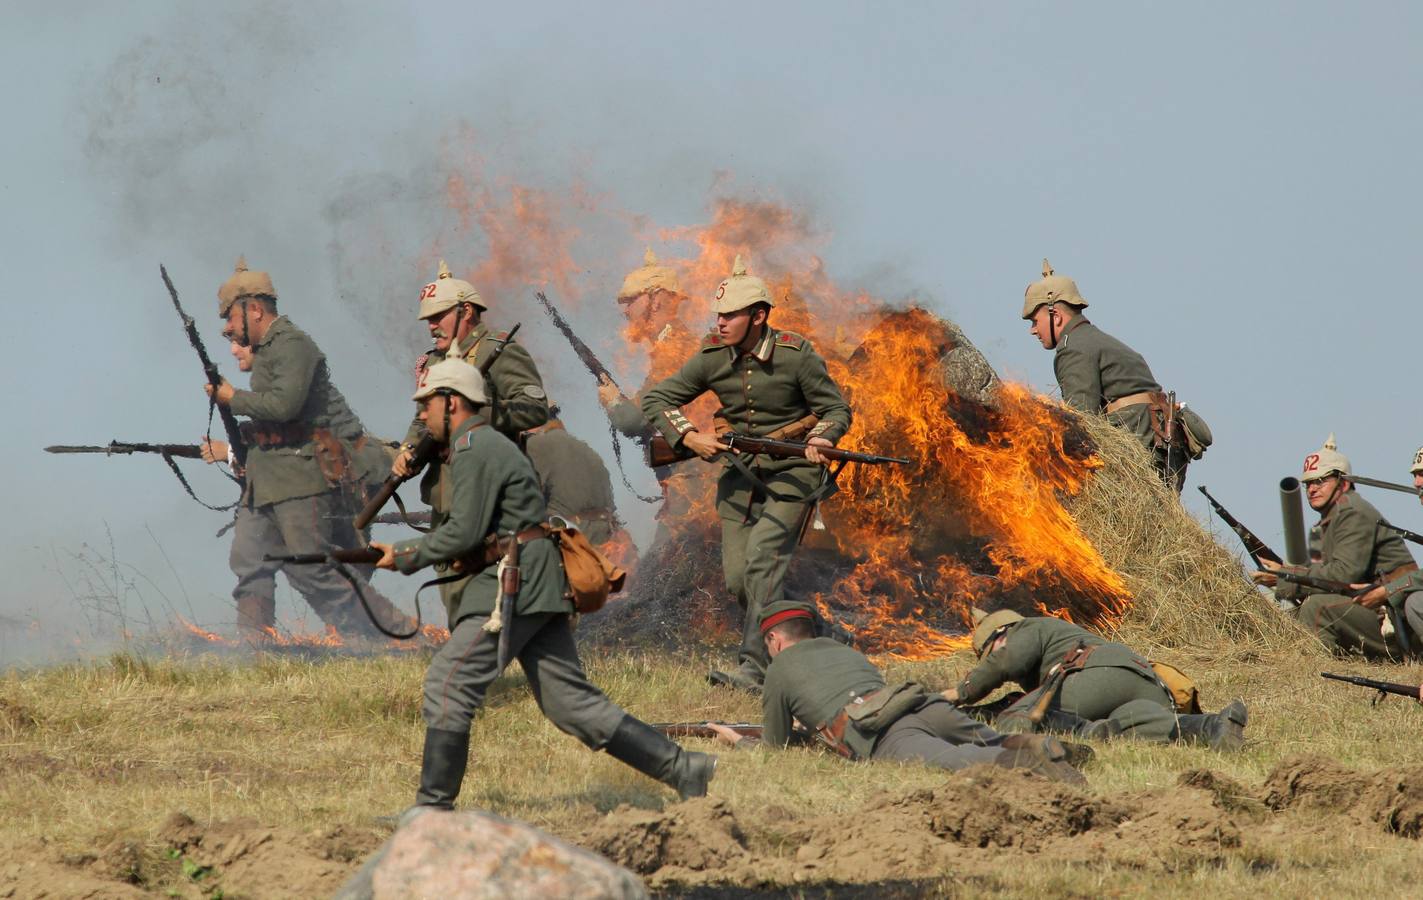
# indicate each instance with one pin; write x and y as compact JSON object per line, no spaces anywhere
{"x":575,"y":481}
{"x":494,"y":491}
{"x":1094,"y":369}
{"x":1355,"y":548}
{"x":812,"y":680}
{"x":1116,"y":693}
{"x":302,"y":435}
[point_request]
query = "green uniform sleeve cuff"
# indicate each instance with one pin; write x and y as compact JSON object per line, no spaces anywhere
{"x":407,"y":555}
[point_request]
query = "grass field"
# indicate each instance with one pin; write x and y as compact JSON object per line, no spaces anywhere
{"x":98,"y":757}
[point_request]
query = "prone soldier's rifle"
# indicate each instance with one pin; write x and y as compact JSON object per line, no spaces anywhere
{"x":600,"y":372}
{"x":1384,"y":688}
{"x":425,"y":452}
{"x":705,"y":730}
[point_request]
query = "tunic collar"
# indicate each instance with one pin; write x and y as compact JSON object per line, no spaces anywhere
{"x":277,"y":327}
{"x":763,"y":349}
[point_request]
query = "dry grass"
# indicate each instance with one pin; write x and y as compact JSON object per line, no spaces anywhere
{"x":1189,"y":591}
{"x":95,"y":752}
{"x":105,"y":750}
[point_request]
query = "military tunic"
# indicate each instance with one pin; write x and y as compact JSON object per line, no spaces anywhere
{"x":306,"y":463}
{"x":1115,"y":683}
{"x":516,"y":394}
{"x":494,"y":490}
{"x":575,"y":482}
{"x":780,"y":381}
{"x":1094,"y":369}
{"x":812,"y":680}
{"x":1354,"y":548}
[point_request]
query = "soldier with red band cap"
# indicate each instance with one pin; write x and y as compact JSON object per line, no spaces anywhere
{"x":836,"y":691}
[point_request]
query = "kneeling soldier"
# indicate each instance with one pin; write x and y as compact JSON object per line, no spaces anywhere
{"x":495,"y":503}
{"x":836,"y":690}
{"x":1094,"y":688}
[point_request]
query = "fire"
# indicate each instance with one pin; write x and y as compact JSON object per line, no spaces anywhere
{"x":977,"y":519}
{"x":327,"y":639}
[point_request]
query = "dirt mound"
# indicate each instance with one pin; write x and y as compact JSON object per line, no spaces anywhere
{"x":964,"y":824}
{"x":1390,"y":798}
{"x":243,"y":852}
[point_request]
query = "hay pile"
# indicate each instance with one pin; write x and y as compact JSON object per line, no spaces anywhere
{"x":1189,"y":590}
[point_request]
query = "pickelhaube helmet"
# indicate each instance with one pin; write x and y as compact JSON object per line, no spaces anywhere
{"x":445,"y":293}
{"x":1417,"y":462}
{"x":1051,"y":288}
{"x":740,"y":291}
{"x":649,"y":278}
{"x":986,"y":626}
{"x":453,"y":375}
{"x":243,"y":283}
{"x":1326,"y":461}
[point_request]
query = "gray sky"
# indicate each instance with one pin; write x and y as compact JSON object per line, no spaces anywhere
{"x":1234,"y":187}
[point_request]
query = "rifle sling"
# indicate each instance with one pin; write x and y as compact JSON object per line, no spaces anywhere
{"x":826,"y":489}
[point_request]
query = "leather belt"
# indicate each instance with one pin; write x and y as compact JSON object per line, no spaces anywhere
{"x":1138,"y":399}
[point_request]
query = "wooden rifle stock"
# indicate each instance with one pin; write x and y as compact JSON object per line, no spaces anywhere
{"x":424,"y":453}
{"x":1255,"y":547}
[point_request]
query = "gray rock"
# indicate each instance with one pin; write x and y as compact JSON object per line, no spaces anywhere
{"x":479,"y":854}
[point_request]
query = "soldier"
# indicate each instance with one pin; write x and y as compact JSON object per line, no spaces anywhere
{"x":453,"y":310}
{"x":770,"y":384}
{"x":838,"y":692}
{"x":575,"y":482}
{"x":1099,"y":374}
{"x":651,"y":298}
{"x":1353,"y":547}
{"x":495,"y":496}
{"x":1405,"y":592}
{"x":305,"y":466}
{"x":1098,"y":689}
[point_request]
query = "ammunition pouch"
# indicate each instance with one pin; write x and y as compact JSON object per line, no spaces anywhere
{"x":334,"y":458}
{"x":271,"y":435}
{"x":872,"y":714}
{"x":1197,"y":432}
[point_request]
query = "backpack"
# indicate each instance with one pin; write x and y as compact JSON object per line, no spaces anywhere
{"x":1184,"y":695}
{"x":591,"y":577}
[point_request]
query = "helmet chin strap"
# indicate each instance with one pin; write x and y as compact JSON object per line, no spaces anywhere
{"x":1052,"y":325}
{"x":246,"y":329}
{"x":455,"y":334}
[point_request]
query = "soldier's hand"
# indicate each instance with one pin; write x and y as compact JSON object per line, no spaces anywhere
{"x":1266,"y":579}
{"x":812,"y":454}
{"x":608,"y":393}
{"x":723,"y":733}
{"x":214,"y":451}
{"x":387,"y":555}
{"x":224,"y":392}
{"x":950,"y":694}
{"x":403,"y":460}
{"x":703,"y":446}
{"x":1374,"y":599}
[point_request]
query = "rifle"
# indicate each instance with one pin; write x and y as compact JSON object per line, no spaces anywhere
{"x":661,"y":453}
{"x":353,"y":556}
{"x":425,"y":452}
{"x":1255,"y":547}
{"x":600,"y":372}
{"x":704,"y":729}
{"x":1328,"y":585}
{"x":229,"y":421}
{"x":184,"y":451}
{"x":419,"y":517}
{"x":1384,"y":688}
{"x":1386,"y":485}
{"x":1404,"y":533}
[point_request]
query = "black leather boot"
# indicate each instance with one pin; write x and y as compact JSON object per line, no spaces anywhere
{"x":1224,"y":730}
{"x":654,"y":755}
{"x":442,"y":767}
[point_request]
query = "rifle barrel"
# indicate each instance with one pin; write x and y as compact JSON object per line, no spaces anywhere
{"x":186,"y":451}
{"x":1404,"y":533}
{"x":356,"y":555}
{"x":229,"y":421}
{"x":1386,"y":687}
{"x":1386,"y":485}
